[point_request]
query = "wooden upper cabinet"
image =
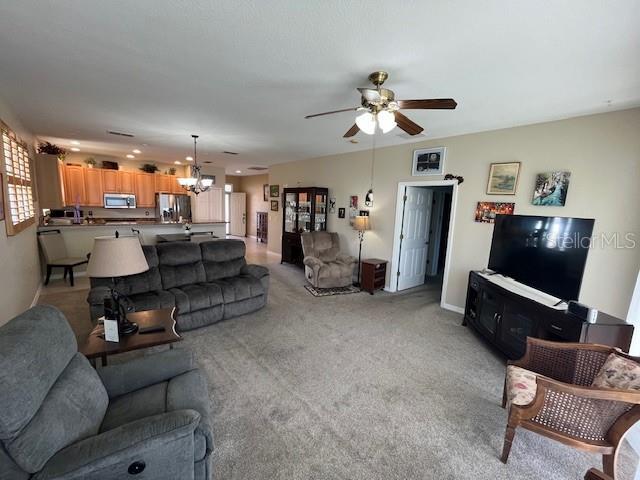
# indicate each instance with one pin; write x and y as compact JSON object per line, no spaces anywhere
{"x":127,"y":182}
{"x":74,"y":185}
{"x":93,"y":187}
{"x":111,"y":181}
{"x":163,"y":183}
{"x":145,"y":190}
{"x":175,"y":186}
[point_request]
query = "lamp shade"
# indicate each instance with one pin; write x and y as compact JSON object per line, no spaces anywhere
{"x":116,"y":257}
{"x":361,"y":223}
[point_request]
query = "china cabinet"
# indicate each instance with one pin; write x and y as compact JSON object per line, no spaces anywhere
{"x":303,"y":210}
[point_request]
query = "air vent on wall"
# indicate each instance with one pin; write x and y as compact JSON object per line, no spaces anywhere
{"x":258,"y":169}
{"x":230,"y":153}
{"x":120,"y":134}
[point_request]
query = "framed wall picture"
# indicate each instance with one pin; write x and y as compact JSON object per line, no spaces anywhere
{"x":551,"y":189}
{"x":353,"y":208}
{"x":275,"y":191}
{"x":486,"y":211}
{"x":265,"y":192}
{"x":503,"y":178}
{"x":428,"y":161}
{"x":274,"y":205}
{"x":332,"y":205}
{"x":341,"y":212}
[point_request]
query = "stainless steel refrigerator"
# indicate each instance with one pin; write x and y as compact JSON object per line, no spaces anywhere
{"x":173,"y":208}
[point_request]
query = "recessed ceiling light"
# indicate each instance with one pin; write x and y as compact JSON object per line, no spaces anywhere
{"x":353,"y":140}
{"x":131,"y":156}
{"x":75,"y":142}
{"x":190,"y":159}
{"x":135,"y":150}
{"x":178,"y":162}
{"x":238,"y":171}
{"x":75,"y":149}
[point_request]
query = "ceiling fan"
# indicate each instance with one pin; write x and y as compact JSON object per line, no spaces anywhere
{"x":380,"y":108}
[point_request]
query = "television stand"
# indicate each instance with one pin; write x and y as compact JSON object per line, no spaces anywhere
{"x":506,"y":312}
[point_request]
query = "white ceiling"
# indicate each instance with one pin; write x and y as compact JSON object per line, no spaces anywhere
{"x":243,"y":73}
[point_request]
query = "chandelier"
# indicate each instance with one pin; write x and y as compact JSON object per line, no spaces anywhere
{"x":196,"y":183}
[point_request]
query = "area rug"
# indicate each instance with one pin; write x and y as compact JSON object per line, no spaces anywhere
{"x":327,"y":292}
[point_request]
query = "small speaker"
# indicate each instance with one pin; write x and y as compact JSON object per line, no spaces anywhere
{"x":583,"y":312}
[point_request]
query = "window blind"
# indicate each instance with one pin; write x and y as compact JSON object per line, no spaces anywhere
{"x":18,"y":184}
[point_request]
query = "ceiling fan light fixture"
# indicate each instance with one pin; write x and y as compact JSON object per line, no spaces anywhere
{"x":366,"y":121}
{"x":386,"y":121}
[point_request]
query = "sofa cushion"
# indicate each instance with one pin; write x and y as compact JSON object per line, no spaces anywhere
{"x":521,"y":386}
{"x":191,"y":298}
{"x":152,"y":300}
{"x":187,"y":391}
{"x":25,"y":378}
{"x":618,"y":372}
{"x":239,"y":288}
{"x":180,"y":264}
{"x":72,"y":411}
{"x":335,"y":270}
{"x":223,"y":258}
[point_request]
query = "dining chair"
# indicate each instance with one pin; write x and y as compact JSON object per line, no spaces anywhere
{"x":56,"y":256}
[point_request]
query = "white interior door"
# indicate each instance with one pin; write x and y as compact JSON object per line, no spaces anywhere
{"x":238,"y":214}
{"x":415,"y":237}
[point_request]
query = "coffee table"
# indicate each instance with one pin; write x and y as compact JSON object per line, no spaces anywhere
{"x":97,"y":347}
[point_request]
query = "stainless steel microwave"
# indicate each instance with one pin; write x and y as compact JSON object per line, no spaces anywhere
{"x":119,"y":200}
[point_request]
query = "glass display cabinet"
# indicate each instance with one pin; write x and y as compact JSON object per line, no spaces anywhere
{"x":303,"y":210}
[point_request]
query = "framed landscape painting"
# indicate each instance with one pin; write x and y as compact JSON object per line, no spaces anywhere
{"x":503,"y":178}
{"x":551,"y":189}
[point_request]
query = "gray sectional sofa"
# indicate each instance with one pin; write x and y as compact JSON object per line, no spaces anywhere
{"x":206,"y":282}
{"x":60,"y":419}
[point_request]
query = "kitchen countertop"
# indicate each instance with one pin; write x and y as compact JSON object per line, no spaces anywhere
{"x":115,"y":223}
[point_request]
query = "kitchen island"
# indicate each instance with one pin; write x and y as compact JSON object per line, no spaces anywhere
{"x":78,"y":238}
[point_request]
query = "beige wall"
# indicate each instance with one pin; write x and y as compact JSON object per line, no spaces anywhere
{"x":235,"y":181}
{"x":19,"y":263}
{"x":601,"y":151}
{"x":252,"y":186}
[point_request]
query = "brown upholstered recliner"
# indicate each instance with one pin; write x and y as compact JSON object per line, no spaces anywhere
{"x":324,"y":265}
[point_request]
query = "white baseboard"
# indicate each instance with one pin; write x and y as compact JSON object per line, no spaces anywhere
{"x":452,"y":308}
{"x":36,"y":297}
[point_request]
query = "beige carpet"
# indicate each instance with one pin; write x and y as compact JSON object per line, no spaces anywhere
{"x":358,"y":387}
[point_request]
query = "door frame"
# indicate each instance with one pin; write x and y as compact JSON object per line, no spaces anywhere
{"x":393,"y":281}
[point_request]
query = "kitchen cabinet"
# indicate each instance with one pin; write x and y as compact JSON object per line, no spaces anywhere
{"x":175,"y":186}
{"x":74,"y":185}
{"x":127,"y":182}
{"x":145,"y":190}
{"x":50,"y":181}
{"x":93,"y":187}
{"x":110,"y":181}
{"x":163,"y":183}
{"x":208,"y":206}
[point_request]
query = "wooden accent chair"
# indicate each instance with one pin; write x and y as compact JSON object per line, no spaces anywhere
{"x":56,"y":256}
{"x":594,"y":474}
{"x":560,"y":403}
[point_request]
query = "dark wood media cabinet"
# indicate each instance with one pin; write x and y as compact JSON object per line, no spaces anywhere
{"x":506,"y":319}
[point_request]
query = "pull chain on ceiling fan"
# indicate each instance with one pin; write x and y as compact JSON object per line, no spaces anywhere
{"x":380,"y":109}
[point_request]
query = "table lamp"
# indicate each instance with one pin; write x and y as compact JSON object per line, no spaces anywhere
{"x":114,"y":257}
{"x":361,"y":224}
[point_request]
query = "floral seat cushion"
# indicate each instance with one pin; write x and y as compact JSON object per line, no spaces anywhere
{"x":521,"y":386}
{"x":618,"y":372}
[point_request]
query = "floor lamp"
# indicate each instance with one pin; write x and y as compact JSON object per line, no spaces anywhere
{"x":361,"y":224}
{"x":114,"y":257}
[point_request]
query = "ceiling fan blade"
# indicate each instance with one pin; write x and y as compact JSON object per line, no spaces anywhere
{"x":407,"y":125}
{"x":352,"y":131}
{"x":333,"y":111}
{"x":429,"y":104}
{"x":371,"y":95}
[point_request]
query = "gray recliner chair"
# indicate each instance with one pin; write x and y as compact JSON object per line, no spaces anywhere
{"x":61,"y":419}
{"x":324,"y":265}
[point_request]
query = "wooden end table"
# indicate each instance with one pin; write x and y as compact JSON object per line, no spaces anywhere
{"x":97,"y":347}
{"x":374,"y":273}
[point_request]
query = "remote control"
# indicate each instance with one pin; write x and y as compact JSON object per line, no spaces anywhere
{"x":151,"y":329}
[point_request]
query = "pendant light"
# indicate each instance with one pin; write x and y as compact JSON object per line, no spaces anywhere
{"x":196,"y":183}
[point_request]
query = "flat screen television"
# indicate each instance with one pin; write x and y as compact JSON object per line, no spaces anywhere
{"x":546,"y":253}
